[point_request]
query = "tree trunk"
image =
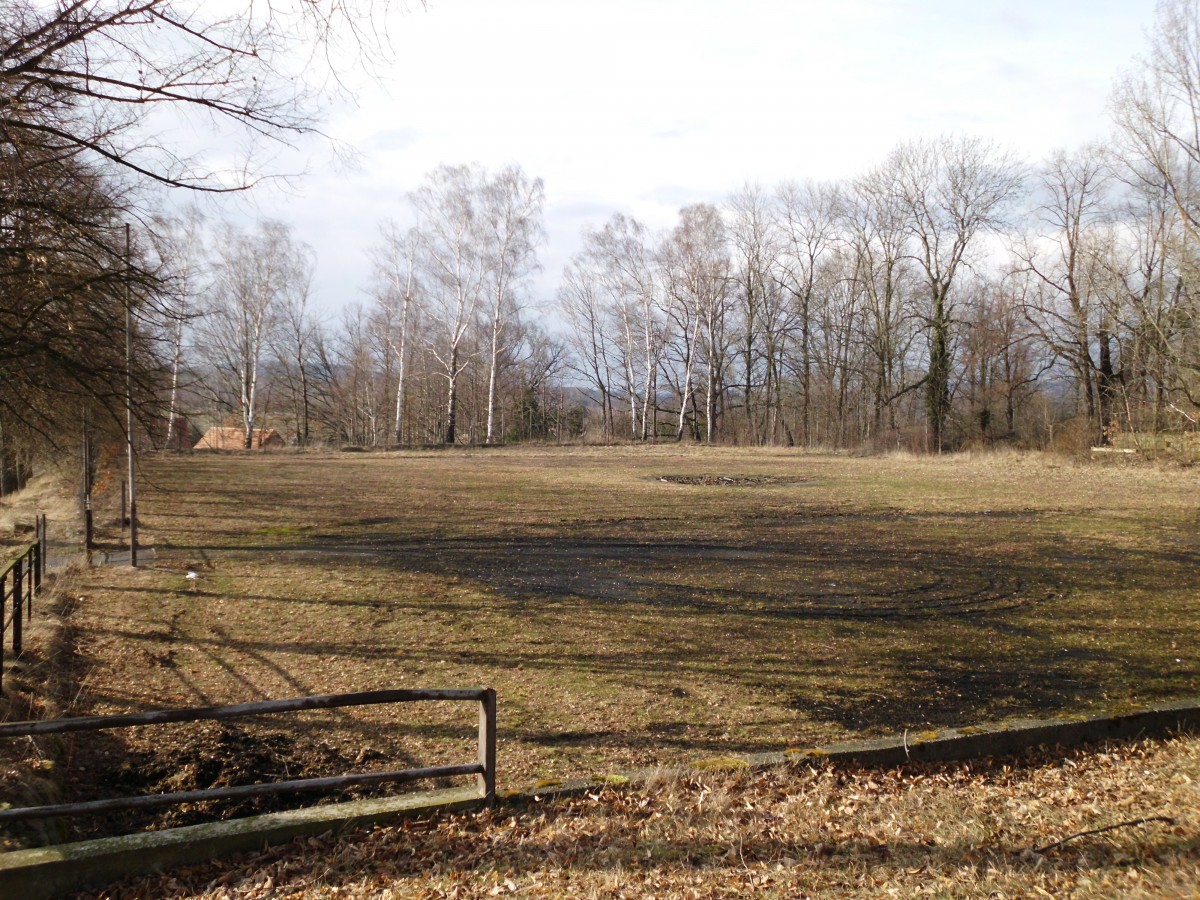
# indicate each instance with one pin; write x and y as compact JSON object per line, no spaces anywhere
{"x":452,"y":396}
{"x":937,"y":385}
{"x":401,"y":363}
{"x":492,"y":373}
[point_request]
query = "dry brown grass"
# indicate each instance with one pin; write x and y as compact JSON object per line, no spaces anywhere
{"x":33,"y":685}
{"x":944,"y":831}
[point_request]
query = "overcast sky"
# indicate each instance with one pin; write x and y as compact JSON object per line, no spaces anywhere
{"x":642,"y":106}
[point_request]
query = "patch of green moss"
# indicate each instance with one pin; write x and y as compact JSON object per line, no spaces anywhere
{"x":721,"y":764}
{"x":806,"y":753}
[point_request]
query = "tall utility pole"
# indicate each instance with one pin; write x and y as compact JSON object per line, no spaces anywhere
{"x":85,"y":494}
{"x":133,"y":545}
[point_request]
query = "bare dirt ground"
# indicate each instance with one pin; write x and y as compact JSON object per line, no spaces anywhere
{"x":632,"y":607}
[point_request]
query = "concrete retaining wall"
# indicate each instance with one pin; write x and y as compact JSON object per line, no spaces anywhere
{"x":64,"y":868}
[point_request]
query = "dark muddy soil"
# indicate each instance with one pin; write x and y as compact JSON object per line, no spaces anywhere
{"x":202,"y":756}
{"x":733,"y":480}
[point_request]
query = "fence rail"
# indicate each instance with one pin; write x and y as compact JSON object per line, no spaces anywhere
{"x":484,"y":769}
{"x":25,"y":573}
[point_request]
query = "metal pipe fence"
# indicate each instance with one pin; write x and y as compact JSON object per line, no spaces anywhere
{"x":484,"y":768}
{"x":25,"y":575}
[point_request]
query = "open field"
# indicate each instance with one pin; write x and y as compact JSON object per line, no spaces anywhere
{"x":635,"y":606}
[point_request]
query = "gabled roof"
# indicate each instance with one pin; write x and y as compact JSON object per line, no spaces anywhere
{"x":221,"y":438}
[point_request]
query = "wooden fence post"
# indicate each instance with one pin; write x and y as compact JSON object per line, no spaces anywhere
{"x":39,"y":565}
{"x":31,"y":578}
{"x":3,"y":595}
{"x":487,"y":746}
{"x":16,"y":619}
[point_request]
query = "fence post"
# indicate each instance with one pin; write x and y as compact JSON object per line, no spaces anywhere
{"x":37,"y":561}
{"x":3,"y":594}
{"x":16,"y":595}
{"x":39,"y":553}
{"x":487,"y":746}
{"x":44,"y":542}
{"x":31,"y":577}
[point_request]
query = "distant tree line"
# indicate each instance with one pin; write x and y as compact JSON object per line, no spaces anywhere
{"x":443,"y":349}
{"x":948,"y":297}
{"x":951,"y":296}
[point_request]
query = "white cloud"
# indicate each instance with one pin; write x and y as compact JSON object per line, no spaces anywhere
{"x":642,"y":106}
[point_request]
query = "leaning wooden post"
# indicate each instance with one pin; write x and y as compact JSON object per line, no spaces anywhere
{"x":487,"y":746}
{"x":16,"y":620}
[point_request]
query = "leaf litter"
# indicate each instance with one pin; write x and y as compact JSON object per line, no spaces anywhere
{"x":946,"y":830}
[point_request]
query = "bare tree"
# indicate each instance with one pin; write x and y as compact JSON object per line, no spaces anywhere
{"x":1158,"y":108}
{"x":86,"y":88}
{"x":179,"y":244}
{"x":395,"y":291}
{"x":511,"y":209}
{"x":96,"y":77}
{"x":872,"y":216}
{"x":623,"y":265}
{"x":1064,"y":259}
{"x":1000,"y":357}
{"x":255,"y":274}
{"x":359,"y":388}
{"x":582,"y":302}
{"x":1153,"y":307}
{"x":1158,"y":112}
{"x":540,"y":410}
{"x":839,"y":322}
{"x":764,"y":318}
{"x":294,"y":341}
{"x":807,"y":217}
{"x":953,"y":190}
{"x":697,"y":277}
{"x":64,"y":278}
{"x":453,"y":269}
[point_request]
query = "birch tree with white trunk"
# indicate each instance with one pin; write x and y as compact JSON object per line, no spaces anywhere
{"x":628,"y":273}
{"x":396,"y":288}
{"x":452,"y":269}
{"x":697,"y":279}
{"x":179,"y":244}
{"x":254,"y":272}
{"x":511,"y":230}
{"x":583,"y":305}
